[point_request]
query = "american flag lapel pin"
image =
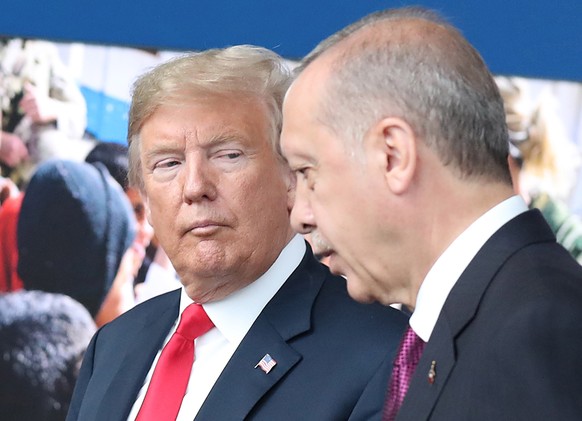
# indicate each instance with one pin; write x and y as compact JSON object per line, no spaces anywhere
{"x":266,"y":364}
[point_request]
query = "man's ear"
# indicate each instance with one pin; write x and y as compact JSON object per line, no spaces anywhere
{"x":395,"y":147}
{"x":148,"y":211}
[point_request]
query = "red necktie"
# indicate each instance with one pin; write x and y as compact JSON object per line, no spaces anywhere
{"x":405,"y":363}
{"x":168,"y":385}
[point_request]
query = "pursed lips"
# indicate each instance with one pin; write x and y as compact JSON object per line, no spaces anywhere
{"x":204,"y":227}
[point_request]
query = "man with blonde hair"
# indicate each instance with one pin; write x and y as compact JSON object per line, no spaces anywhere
{"x":262,"y":330}
{"x":396,"y":131}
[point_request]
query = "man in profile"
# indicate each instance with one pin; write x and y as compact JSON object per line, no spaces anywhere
{"x":396,"y":131}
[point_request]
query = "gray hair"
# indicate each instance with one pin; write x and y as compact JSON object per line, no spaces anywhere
{"x":428,"y":75}
{"x":242,"y":70}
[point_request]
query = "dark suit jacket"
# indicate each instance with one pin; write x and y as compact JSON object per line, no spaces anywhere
{"x":508,"y":342}
{"x":333,"y":357}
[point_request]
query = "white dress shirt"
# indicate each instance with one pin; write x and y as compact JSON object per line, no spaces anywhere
{"x":232,"y":316}
{"x":445,"y":272}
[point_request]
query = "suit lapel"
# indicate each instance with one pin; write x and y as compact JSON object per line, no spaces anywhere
{"x":241,"y":385}
{"x":460,"y":308}
{"x":288,"y":314}
{"x":422,"y":395}
{"x":138,"y":358}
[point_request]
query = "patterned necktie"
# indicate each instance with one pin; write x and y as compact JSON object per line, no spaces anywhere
{"x":168,"y":385}
{"x":405,"y":363}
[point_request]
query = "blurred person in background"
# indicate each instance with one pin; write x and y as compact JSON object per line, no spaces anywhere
{"x":44,"y":114}
{"x":43,"y":338}
{"x":542,"y":167}
{"x":74,"y":233}
{"x":155,"y":274}
{"x":9,"y":211}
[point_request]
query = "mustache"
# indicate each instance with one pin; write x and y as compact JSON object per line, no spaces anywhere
{"x":321,"y":247}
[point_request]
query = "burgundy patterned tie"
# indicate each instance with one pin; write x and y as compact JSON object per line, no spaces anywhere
{"x":168,"y":385}
{"x":406,"y":360}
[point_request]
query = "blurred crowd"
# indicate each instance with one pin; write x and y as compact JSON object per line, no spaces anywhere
{"x":76,"y":249}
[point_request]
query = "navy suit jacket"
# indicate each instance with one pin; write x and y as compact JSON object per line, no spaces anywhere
{"x":333,"y":357}
{"x":508,"y":341}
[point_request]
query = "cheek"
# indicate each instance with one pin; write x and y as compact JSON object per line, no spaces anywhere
{"x":265,"y":218}
{"x":255,"y":210}
{"x":161,"y":219}
{"x":161,"y":200}
{"x":337,"y":217}
{"x":327,"y":203}
{"x":262,"y":193}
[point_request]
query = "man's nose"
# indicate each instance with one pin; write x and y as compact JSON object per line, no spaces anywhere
{"x":198,"y":183}
{"x":302,"y":218}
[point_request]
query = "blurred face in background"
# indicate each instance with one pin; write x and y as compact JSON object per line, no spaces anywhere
{"x":120,"y":297}
{"x":145,"y":231}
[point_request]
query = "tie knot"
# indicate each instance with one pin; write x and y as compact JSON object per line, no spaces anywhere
{"x":411,"y":348}
{"x":194,"y":322}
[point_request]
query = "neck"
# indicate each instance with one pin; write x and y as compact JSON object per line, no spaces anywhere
{"x":441,"y":219}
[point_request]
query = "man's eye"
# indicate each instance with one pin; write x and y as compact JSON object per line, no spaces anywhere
{"x":228,"y":155}
{"x":165,"y":164}
{"x":303,"y":172}
{"x":168,"y":164}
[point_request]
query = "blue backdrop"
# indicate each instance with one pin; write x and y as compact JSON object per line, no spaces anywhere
{"x":534,"y":38}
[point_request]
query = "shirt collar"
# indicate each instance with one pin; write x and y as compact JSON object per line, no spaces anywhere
{"x":234,"y":315}
{"x":445,"y":272}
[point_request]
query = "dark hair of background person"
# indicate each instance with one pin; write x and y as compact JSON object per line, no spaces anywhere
{"x":114,"y":157}
{"x":74,"y":228}
{"x":43,"y":338}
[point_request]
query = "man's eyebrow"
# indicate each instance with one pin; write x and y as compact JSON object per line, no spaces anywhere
{"x":223,"y":137}
{"x":300,"y":160}
{"x":159,"y":150}
{"x":298,"y":155}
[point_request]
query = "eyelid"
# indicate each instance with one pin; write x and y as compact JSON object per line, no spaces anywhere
{"x":301,"y":170}
{"x":153,"y":159}
{"x":302,"y":174}
{"x":228,"y":154}
{"x":165,"y":163}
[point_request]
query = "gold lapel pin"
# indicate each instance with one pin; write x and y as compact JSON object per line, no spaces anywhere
{"x":432,"y":372}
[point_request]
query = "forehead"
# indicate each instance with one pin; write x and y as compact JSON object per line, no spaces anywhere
{"x":211,"y":116}
{"x":301,"y":124}
{"x":309,"y":85}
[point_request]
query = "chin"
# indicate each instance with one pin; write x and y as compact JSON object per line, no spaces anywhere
{"x":358,"y":293}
